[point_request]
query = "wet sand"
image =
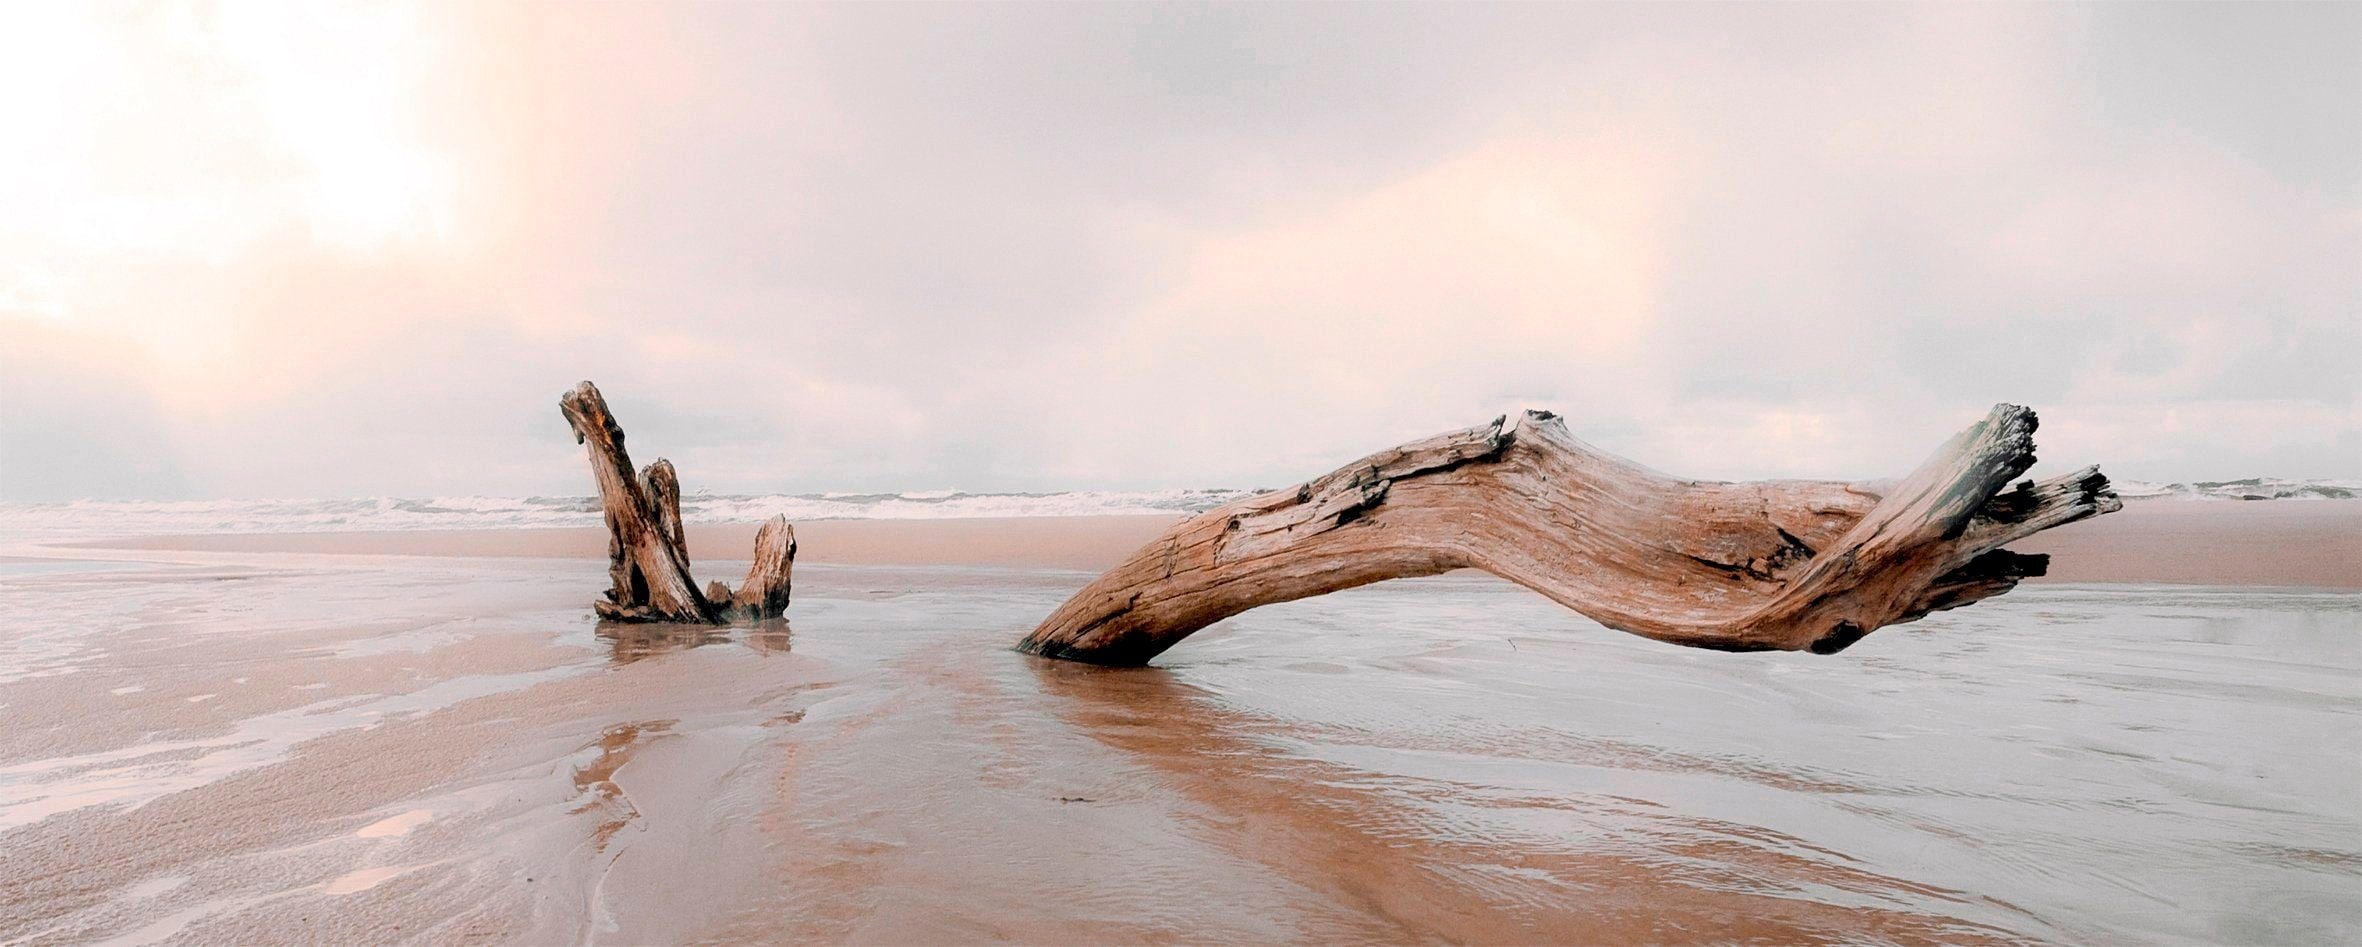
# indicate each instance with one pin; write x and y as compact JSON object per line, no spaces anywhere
{"x":225,"y":741}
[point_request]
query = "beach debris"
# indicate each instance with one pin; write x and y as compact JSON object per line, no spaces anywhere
{"x":1778,"y":565}
{"x":648,"y":557}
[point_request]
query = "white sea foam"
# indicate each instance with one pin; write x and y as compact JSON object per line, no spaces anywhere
{"x":138,"y":517}
{"x":2252,"y":488}
{"x":134,"y":517}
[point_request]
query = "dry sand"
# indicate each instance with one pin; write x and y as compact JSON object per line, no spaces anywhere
{"x":2306,"y":543}
{"x":1045,"y":542}
{"x":2310,"y":544}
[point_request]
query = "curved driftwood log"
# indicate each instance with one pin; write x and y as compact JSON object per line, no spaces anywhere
{"x":648,"y":558}
{"x":1776,"y":565}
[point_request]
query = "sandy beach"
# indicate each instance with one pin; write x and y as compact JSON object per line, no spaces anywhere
{"x":423,"y":737}
{"x":2314,"y":543}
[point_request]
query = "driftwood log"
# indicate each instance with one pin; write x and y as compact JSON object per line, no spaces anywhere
{"x":648,"y":559}
{"x":1776,"y":565}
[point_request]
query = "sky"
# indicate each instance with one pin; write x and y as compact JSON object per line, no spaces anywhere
{"x":323,"y":250}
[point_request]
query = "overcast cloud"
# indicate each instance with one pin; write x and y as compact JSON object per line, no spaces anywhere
{"x":312,"y":251}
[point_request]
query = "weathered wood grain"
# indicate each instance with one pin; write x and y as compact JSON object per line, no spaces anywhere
{"x":1778,"y":565}
{"x":648,"y":556}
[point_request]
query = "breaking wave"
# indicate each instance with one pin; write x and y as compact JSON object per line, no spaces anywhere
{"x":126,"y":517}
{"x":134,"y":517}
{"x":2252,"y":488}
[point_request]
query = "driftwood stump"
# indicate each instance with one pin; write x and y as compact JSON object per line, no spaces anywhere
{"x":1776,"y":565}
{"x":648,"y":560}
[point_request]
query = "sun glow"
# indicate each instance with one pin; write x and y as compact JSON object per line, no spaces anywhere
{"x":194,"y":132}
{"x":337,"y":88}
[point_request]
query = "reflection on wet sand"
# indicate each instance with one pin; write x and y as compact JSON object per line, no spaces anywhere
{"x":1378,"y":843}
{"x":1421,"y":761}
{"x":632,"y":641}
{"x":596,"y":780}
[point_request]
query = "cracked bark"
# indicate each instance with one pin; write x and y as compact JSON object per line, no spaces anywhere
{"x":1778,"y":565}
{"x":648,"y":557}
